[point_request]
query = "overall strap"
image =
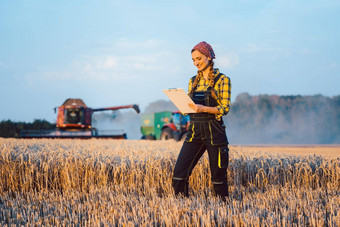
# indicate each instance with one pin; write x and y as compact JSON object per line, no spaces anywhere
{"x":217,"y":78}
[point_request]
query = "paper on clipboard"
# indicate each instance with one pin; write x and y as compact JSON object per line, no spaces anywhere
{"x":180,"y":98}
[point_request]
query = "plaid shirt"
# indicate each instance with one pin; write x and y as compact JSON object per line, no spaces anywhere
{"x":222,"y":87}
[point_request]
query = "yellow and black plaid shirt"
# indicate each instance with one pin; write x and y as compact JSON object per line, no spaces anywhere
{"x":222,"y":87}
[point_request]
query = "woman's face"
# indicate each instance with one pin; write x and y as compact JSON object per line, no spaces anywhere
{"x":200,"y":60}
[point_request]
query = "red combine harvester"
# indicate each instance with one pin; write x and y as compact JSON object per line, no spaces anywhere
{"x":75,"y":121}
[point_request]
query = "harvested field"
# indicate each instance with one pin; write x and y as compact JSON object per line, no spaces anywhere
{"x":128,"y":183}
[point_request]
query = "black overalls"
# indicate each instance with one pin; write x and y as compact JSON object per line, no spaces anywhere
{"x":205,"y":133}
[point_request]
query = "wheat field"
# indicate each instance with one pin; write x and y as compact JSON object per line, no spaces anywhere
{"x":100,"y":182}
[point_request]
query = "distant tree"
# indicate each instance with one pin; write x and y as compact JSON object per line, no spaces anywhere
{"x":7,"y":129}
{"x":41,"y":124}
{"x":12,"y":129}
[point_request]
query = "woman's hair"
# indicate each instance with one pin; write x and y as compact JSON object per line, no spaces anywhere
{"x":210,"y":78}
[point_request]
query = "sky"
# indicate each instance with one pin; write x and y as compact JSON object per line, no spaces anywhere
{"x":112,"y":53}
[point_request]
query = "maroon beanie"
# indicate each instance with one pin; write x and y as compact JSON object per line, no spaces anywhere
{"x":205,"y":49}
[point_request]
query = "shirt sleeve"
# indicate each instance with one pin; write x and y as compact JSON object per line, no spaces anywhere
{"x":223,"y":88}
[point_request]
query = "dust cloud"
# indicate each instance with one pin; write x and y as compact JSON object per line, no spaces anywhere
{"x":272,"y":119}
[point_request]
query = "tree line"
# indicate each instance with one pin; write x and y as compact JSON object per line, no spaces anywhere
{"x":9,"y":128}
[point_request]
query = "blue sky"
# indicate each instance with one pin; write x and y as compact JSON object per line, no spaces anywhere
{"x":113,"y":53}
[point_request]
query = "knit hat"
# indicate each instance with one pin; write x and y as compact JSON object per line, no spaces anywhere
{"x":205,"y":49}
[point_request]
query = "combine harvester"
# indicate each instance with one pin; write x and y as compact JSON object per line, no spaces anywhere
{"x":74,"y":120}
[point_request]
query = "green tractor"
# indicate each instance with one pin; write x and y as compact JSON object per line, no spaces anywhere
{"x":164,"y":125}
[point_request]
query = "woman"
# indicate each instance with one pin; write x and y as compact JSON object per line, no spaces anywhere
{"x":210,"y":91}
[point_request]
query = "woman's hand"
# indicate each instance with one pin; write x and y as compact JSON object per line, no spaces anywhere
{"x":197,"y":107}
{"x":204,"y":109}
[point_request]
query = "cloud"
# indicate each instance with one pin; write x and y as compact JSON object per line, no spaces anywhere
{"x":110,"y":62}
{"x":264,"y":48}
{"x":118,"y":66}
{"x":227,"y":61}
{"x":125,"y":46}
{"x":254,"y":48}
{"x":305,"y":51}
{"x":138,"y":45}
{"x":331,"y":66}
{"x":88,"y":64}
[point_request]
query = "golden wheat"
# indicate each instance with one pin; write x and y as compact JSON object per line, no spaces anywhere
{"x":128,"y":183}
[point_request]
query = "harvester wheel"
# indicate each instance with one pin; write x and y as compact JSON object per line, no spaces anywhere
{"x":150,"y":137}
{"x":166,"y":134}
{"x":94,"y":132}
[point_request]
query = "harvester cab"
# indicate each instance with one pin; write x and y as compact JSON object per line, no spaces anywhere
{"x":73,"y":114}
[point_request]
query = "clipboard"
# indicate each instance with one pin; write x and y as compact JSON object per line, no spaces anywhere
{"x":180,"y":98}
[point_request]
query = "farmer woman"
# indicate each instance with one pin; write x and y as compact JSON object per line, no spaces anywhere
{"x":210,"y":91}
